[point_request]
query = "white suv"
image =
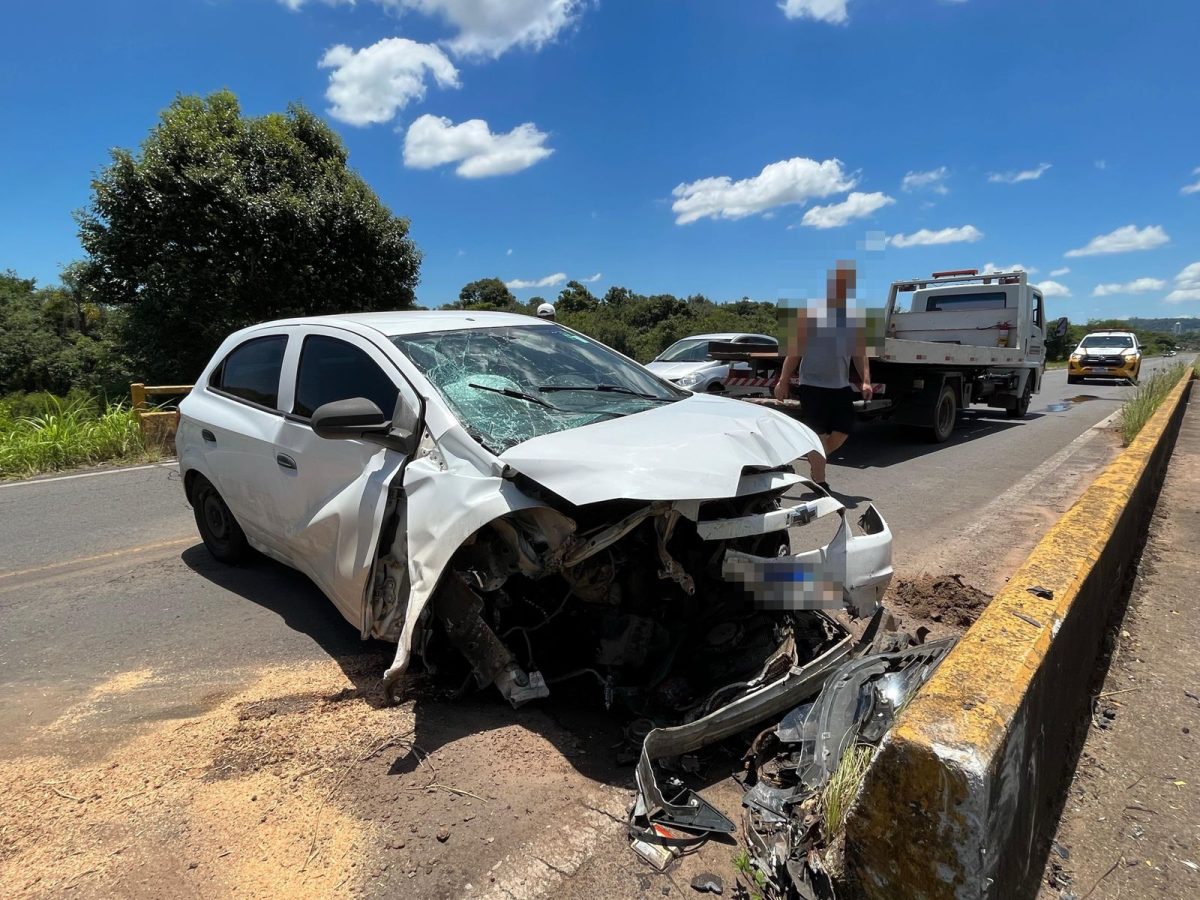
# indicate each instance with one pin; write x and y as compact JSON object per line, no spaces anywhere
{"x":514,"y":489}
{"x":688,"y":364}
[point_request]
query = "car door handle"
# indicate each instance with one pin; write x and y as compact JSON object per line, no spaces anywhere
{"x":208,"y":436}
{"x":285,"y":461}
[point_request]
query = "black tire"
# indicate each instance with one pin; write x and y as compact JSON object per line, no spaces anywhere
{"x":1074,"y":379}
{"x":219,"y":530}
{"x":1021,"y":410}
{"x":945,"y":414}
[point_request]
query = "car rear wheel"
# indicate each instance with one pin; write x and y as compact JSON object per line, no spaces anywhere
{"x":219,"y":530}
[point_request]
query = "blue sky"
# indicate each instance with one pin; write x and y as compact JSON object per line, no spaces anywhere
{"x":726,"y":147}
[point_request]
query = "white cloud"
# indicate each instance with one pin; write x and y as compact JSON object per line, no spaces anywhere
{"x":1065,"y":270}
{"x":1137,"y":286}
{"x":508,"y":252}
{"x":1194,"y":187}
{"x":1015,"y":177}
{"x":856,"y":206}
{"x":519,"y":284}
{"x":592,"y":279}
{"x":934,"y":179}
{"x":294,"y":5}
{"x":490,"y":27}
{"x":1053,"y":289}
{"x":433,"y":141}
{"x":1187,"y":284}
{"x":1101,"y":164}
{"x":925,"y":237}
{"x":371,"y":85}
{"x":789,"y":181}
{"x":1123,"y":240}
{"x":833,"y":11}
{"x":990,"y":268}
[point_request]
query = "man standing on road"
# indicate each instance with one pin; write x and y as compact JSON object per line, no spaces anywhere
{"x":828,"y":338}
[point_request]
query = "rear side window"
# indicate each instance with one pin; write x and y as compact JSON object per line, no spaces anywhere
{"x":331,"y":369}
{"x":251,"y":370}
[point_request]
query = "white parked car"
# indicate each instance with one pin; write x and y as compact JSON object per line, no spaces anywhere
{"x":687,"y":362}
{"x":512,"y":489}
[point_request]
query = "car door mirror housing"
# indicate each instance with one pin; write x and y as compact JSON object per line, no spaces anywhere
{"x":353,"y":418}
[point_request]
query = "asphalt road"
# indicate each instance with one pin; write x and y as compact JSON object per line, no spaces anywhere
{"x":102,"y":577}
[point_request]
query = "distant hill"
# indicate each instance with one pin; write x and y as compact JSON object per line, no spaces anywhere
{"x":1186,"y":324}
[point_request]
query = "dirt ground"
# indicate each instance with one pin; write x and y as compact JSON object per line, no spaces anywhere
{"x":301,"y":782}
{"x":1131,"y":823}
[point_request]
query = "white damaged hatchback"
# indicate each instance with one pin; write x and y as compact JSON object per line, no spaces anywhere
{"x":510,"y":494}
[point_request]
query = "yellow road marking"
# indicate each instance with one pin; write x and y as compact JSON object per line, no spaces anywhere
{"x":161,"y":545}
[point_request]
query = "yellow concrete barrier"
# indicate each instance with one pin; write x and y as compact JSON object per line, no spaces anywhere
{"x":964,"y":794}
{"x":158,"y":425}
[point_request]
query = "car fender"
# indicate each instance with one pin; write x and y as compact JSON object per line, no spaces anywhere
{"x":447,"y":500}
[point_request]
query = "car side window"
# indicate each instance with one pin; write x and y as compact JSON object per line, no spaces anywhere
{"x":251,"y":370}
{"x":331,"y":369}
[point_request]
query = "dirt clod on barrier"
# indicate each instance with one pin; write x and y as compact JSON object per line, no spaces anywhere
{"x":941,"y":599}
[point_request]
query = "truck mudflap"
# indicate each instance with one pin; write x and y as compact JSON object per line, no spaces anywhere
{"x":851,"y":570}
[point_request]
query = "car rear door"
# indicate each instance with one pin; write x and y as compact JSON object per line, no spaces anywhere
{"x":333,"y":491}
{"x":237,"y":419}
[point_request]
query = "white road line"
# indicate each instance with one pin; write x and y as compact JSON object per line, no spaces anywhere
{"x":30,"y":481}
{"x":994,"y":510}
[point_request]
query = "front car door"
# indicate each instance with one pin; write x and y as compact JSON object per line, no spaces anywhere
{"x":332,"y":493}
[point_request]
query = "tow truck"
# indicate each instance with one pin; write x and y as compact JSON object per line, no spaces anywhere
{"x":953,"y":340}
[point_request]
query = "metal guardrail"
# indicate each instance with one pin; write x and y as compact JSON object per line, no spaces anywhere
{"x":158,"y":425}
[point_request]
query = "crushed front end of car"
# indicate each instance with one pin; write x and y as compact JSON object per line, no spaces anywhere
{"x":661,"y":603}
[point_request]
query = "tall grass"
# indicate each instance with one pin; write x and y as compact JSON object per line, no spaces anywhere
{"x":843,"y":787}
{"x":67,"y":433}
{"x":1146,"y":399}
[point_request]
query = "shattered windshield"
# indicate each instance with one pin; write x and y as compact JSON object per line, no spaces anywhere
{"x":507,"y":385}
{"x":687,"y":350}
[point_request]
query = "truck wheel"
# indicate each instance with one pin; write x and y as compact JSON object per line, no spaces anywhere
{"x":945,"y":413}
{"x":1021,"y":410}
{"x":221,"y":533}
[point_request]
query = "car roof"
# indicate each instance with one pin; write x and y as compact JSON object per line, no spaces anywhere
{"x":415,"y":321}
{"x":726,"y":336}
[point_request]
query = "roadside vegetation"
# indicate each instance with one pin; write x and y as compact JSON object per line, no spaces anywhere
{"x":1147,"y":398}
{"x":43,"y":433}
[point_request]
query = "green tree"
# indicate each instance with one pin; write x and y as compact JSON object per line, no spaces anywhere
{"x":222,"y":221}
{"x":486,"y":294}
{"x":574,"y":298}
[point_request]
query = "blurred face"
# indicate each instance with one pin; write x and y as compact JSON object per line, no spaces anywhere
{"x":841,"y":281}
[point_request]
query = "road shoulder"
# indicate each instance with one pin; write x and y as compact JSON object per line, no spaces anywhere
{"x":1132,"y":812}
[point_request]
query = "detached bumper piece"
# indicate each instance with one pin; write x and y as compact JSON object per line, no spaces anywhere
{"x":853,"y":570}
{"x":793,"y":764}
{"x":845,"y":696}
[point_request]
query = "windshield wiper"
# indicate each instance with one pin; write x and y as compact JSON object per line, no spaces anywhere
{"x":602,"y":388}
{"x":516,"y":395}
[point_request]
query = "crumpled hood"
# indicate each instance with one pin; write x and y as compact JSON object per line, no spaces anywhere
{"x":673,"y":370}
{"x":693,"y":449}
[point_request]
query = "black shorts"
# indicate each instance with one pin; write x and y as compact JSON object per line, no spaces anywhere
{"x":826,"y":410}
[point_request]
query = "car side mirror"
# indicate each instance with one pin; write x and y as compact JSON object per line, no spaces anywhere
{"x":353,"y":418}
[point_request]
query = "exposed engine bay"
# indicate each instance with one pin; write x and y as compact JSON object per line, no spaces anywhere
{"x":671,"y":608}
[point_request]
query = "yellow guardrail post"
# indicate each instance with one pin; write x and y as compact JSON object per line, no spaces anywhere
{"x":158,"y":426}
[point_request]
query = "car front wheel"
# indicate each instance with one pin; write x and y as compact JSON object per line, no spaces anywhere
{"x":219,"y":530}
